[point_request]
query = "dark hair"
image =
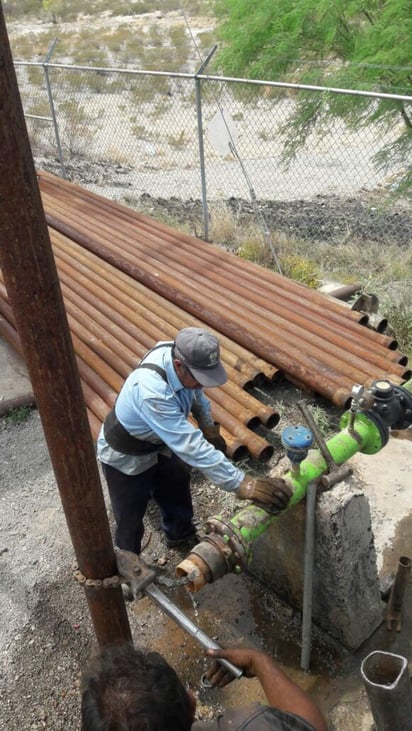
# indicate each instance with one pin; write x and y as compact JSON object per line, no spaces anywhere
{"x":126,"y":689}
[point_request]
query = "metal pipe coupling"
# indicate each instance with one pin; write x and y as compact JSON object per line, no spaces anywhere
{"x":221,"y":552}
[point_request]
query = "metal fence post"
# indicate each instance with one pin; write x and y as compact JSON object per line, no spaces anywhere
{"x":52,"y":109}
{"x":198,"y":90}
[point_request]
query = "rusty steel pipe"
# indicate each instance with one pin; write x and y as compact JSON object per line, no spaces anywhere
{"x":121,"y":211}
{"x":288,"y":318}
{"x":84,"y":318}
{"x":342,"y":380}
{"x":290,"y":358}
{"x":235,"y":448}
{"x":238,"y":447}
{"x":8,"y":329}
{"x":33,"y":291}
{"x":94,"y":424}
{"x":152,"y":229}
{"x":356,"y":369}
{"x":97,"y":367}
{"x":115,"y":381}
{"x":95,"y":403}
{"x":131,"y":218}
{"x":122,"y":286}
{"x":109,"y":309}
{"x":345,"y":292}
{"x":119,"y":340}
{"x":258,"y":447}
{"x":352,"y":374}
{"x":233,"y":399}
{"x":109,"y":356}
{"x":129,"y":308}
{"x":267,"y":415}
{"x":239,"y":439}
{"x":201,"y":274}
{"x":247,"y":409}
{"x":98,"y":376}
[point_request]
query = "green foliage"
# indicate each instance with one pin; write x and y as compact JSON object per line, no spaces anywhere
{"x":78,"y":132}
{"x":399,"y":317}
{"x":324,"y":422}
{"x":254,"y":249}
{"x":54,"y":8}
{"x":178,"y":141}
{"x":18,"y":8}
{"x":353,"y":45}
{"x":18,"y":415}
{"x":300,"y":269}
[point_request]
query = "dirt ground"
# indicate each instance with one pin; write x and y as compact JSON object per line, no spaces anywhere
{"x":46,"y":635}
{"x":303,"y":219}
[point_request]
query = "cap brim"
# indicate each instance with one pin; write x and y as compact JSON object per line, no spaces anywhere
{"x":210,"y":377}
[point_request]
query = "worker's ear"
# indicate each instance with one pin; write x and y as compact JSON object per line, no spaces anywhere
{"x":192,"y":699}
{"x":179,"y":367}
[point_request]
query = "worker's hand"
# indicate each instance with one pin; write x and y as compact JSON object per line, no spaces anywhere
{"x":244,"y":658}
{"x":211,"y":432}
{"x":270,"y":493}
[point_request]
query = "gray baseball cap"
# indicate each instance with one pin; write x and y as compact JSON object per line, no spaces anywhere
{"x":199,"y":350}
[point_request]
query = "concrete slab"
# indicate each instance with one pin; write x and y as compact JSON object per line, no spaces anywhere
{"x":15,"y":385}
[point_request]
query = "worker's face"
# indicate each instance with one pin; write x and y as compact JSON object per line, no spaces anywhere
{"x":185,"y":376}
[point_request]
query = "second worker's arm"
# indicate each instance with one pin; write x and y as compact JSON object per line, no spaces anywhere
{"x":280,"y":691}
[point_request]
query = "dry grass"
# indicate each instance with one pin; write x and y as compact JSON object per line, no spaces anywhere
{"x":311,"y":262}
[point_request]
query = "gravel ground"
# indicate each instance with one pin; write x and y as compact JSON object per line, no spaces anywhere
{"x":46,"y":635}
{"x":324,"y":217}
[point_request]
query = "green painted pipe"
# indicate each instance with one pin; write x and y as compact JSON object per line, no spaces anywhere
{"x":364,"y":437}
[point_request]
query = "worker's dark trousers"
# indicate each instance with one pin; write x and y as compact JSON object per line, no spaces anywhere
{"x":168,"y":483}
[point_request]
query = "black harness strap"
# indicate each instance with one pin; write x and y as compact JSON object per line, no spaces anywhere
{"x":118,"y":437}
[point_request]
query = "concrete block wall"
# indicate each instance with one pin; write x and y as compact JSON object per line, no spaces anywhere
{"x":346,"y":596}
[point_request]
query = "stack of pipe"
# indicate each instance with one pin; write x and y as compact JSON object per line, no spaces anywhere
{"x":114,"y":320}
{"x":312,"y":338}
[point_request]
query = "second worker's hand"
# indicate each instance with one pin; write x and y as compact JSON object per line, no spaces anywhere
{"x":243,"y":658}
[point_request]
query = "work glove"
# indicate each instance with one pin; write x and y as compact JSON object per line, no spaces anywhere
{"x":211,"y":432}
{"x":270,"y":493}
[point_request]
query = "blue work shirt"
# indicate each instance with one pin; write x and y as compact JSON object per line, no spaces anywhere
{"x":154,"y":410}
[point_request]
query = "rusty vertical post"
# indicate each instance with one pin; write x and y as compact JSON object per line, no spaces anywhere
{"x":34,"y":292}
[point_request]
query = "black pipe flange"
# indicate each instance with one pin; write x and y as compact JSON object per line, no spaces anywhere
{"x":392,"y":403}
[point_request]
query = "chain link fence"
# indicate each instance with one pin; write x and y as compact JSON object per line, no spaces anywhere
{"x":156,"y":137}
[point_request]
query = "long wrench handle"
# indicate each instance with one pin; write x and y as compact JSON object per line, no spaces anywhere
{"x":175,"y":613}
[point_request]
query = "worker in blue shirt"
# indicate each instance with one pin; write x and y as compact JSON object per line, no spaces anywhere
{"x":147,"y":445}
